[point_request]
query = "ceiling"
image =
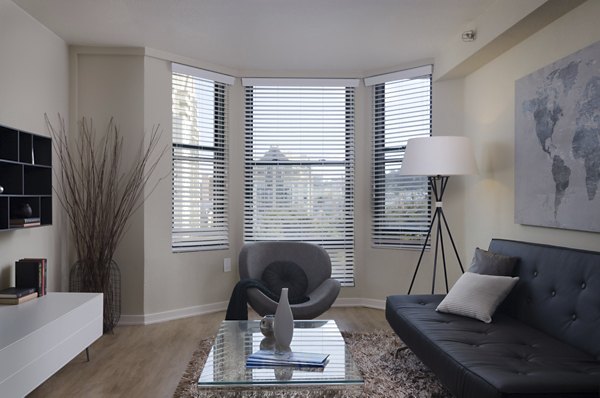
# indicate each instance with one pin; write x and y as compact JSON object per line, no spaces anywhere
{"x":260,"y":36}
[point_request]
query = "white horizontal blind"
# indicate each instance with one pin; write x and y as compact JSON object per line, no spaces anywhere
{"x":199,"y":208}
{"x":299,"y":169}
{"x":401,"y":204}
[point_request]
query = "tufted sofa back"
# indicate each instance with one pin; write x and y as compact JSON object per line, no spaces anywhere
{"x":558,"y":291}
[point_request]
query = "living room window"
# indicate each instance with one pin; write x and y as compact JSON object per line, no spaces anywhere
{"x":400,"y":204}
{"x":199,"y":146}
{"x":299,"y":165}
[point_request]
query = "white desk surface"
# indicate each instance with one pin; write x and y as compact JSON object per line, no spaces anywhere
{"x":39,"y":337}
{"x":19,"y":321}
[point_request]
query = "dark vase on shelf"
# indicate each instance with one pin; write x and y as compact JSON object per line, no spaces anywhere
{"x":23,"y":211}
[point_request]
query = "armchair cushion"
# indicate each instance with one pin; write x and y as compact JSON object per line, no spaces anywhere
{"x":280,"y":274}
{"x":314,"y":261}
{"x":319,"y":301}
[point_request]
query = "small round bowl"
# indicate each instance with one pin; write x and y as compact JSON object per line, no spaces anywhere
{"x":266,"y":325}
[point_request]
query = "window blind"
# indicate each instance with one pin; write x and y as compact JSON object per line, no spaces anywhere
{"x":299,"y":169}
{"x":401,"y":204}
{"x":199,"y":206}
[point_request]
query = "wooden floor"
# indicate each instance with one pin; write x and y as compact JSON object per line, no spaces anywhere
{"x":148,"y":361}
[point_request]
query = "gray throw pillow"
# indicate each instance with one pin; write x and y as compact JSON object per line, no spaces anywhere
{"x":477,"y":296}
{"x":489,"y":263}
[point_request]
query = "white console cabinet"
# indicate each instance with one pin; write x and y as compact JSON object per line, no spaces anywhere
{"x":39,"y":337}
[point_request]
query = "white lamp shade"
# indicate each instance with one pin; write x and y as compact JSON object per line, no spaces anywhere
{"x":440,"y":155}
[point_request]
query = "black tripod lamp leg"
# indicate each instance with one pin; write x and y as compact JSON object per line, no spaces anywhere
{"x":443,"y":251}
{"x":438,"y":234}
{"x":452,"y":241}
{"x":422,"y":252}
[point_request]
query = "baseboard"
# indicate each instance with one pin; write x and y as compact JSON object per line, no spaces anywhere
{"x":157,"y":317}
{"x":187,"y":312}
{"x":360,"y":302}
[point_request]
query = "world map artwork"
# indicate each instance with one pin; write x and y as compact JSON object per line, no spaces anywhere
{"x":557,"y":143}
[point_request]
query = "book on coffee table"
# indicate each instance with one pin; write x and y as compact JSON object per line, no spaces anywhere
{"x":268,"y":358}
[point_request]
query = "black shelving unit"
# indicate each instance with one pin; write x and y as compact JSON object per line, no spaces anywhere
{"x":26,"y":176}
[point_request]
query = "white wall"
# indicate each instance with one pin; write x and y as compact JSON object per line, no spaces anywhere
{"x":489,"y":120}
{"x":33,"y":81}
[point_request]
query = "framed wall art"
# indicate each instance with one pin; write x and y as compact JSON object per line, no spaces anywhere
{"x":557,"y":143}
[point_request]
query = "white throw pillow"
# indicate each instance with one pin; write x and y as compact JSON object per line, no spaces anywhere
{"x":477,"y":296}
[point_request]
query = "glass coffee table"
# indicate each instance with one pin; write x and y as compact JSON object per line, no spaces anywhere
{"x":225,"y":373}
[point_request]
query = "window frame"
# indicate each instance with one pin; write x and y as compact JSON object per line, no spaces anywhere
{"x":344,"y":272}
{"x":397,"y":234}
{"x":212,"y":235}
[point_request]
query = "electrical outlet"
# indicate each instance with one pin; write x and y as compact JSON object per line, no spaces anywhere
{"x":227,"y":265}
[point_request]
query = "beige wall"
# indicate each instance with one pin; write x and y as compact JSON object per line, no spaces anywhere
{"x":180,"y":282}
{"x":489,"y":120}
{"x":33,"y":81}
{"x":136,"y":89}
{"x":177,"y":284}
{"x":481,"y":106}
{"x":389,"y":271}
{"x":134,"y":86}
{"x":113,"y":86}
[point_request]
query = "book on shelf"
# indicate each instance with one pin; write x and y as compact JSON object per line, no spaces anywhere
{"x":35,"y":224}
{"x":25,"y":222}
{"x":32,"y":273}
{"x":268,"y":358}
{"x":19,"y":300}
{"x":15,"y":292}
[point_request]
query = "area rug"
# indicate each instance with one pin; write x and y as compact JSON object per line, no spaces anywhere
{"x":385,"y":375}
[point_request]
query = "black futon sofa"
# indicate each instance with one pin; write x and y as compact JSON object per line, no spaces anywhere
{"x":544,"y":340}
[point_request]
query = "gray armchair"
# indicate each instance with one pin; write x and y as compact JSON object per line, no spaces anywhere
{"x":314,"y":261}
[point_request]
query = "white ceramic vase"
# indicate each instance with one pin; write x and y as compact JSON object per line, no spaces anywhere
{"x":284,"y":322}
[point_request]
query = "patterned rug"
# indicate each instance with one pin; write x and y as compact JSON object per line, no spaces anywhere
{"x":385,"y":376}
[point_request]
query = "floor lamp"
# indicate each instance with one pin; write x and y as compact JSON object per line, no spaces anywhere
{"x":438,"y":158}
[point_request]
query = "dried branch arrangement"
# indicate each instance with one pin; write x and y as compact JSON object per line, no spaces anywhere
{"x":99,"y":194}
